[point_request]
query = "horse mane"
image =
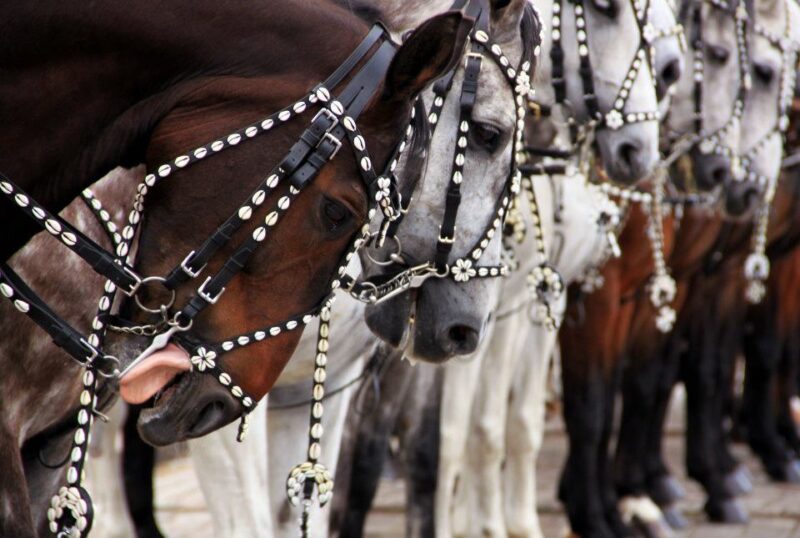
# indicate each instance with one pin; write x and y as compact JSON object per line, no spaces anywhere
{"x":364,"y":11}
{"x":531,"y":28}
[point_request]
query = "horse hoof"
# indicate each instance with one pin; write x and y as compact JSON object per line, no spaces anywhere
{"x":652,"y":529}
{"x":728,"y":511}
{"x":788,"y":472}
{"x":666,"y":489}
{"x":793,"y":472}
{"x":675,"y":518}
{"x":739,"y":482}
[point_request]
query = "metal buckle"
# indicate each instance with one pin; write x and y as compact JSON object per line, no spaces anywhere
{"x":208,"y":298}
{"x":330,"y":115}
{"x":448,"y":240}
{"x":188,"y":270}
{"x":137,"y":282}
{"x":469,"y":55}
{"x":333,"y":140}
{"x":93,"y":353}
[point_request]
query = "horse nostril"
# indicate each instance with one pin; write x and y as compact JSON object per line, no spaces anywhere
{"x":670,"y":74}
{"x":461,"y":339}
{"x":750,"y":197}
{"x":719,"y":174}
{"x":627,"y":153}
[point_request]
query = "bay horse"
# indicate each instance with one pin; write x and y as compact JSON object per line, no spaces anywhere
{"x":770,"y":344}
{"x":708,"y":263}
{"x":602,"y":326}
{"x":200,"y":71}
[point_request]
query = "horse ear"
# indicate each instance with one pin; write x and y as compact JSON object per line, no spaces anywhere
{"x":506,"y":18}
{"x":428,"y":53}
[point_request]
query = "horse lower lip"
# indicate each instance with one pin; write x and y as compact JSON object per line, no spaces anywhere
{"x":163,"y":395}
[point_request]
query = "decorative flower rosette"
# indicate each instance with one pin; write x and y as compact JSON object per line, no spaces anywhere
{"x":756,"y":271}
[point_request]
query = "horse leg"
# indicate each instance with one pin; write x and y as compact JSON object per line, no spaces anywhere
{"x":104,"y":470}
{"x":16,"y":518}
{"x":608,"y":493}
{"x":458,"y":390}
{"x":662,"y":486}
{"x":762,"y":351}
{"x":526,"y":422}
{"x":640,"y":408}
{"x":786,"y":390}
{"x":701,"y":383}
{"x":233,"y":477}
{"x":584,"y":414}
{"x":737,"y":478}
{"x":420,"y":440}
{"x":138,"y":464}
{"x":371,"y":446}
{"x":486,"y":444}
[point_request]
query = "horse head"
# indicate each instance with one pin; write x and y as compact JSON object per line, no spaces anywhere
{"x":774,"y":36}
{"x":708,"y":99}
{"x":471,"y":159}
{"x":304,"y":236}
{"x":598,"y":57}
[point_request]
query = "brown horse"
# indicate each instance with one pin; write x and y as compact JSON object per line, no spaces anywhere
{"x":593,"y":342}
{"x":128,"y":86}
{"x":708,"y":263}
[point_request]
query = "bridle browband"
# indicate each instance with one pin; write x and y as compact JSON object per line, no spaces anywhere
{"x":361,"y":74}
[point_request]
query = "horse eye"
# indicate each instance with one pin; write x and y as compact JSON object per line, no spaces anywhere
{"x":486,"y":136}
{"x":718,"y":54}
{"x":335,"y":215}
{"x":606,"y":7}
{"x":764,"y":72}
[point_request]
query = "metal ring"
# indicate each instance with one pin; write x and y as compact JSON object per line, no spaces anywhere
{"x":115,"y":372}
{"x":159,"y":309}
{"x":443,"y":274}
{"x":392,"y":259}
{"x":175,"y":323}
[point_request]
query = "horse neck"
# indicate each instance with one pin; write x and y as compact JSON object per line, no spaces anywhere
{"x":93,"y":81}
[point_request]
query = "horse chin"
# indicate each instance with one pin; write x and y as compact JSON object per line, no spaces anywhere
{"x":741,"y":200}
{"x":192,"y":405}
{"x":389,"y":320}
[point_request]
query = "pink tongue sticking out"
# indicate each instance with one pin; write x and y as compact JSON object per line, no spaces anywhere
{"x":153,"y":374}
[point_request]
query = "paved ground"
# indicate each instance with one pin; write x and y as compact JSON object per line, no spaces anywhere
{"x":774,"y":509}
